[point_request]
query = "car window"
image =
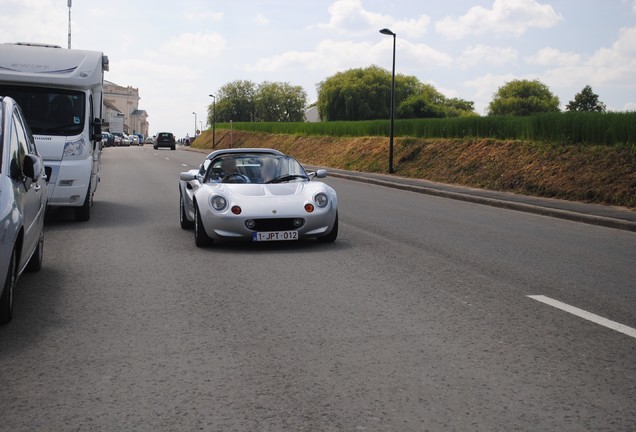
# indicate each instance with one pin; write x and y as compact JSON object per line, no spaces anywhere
{"x":259,"y":168}
{"x":24,"y":132}
{"x":16,"y":152}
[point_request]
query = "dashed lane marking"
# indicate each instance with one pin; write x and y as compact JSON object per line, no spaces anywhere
{"x":621,"y":328}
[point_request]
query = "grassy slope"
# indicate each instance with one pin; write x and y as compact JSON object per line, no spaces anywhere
{"x":581,"y":173}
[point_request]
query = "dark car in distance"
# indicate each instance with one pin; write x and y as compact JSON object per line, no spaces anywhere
{"x":165,"y":139}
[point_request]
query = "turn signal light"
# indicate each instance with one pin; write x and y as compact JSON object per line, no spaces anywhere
{"x":309,"y":208}
{"x":236,"y":210}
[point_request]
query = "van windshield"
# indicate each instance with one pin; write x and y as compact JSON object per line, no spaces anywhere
{"x":49,"y":111}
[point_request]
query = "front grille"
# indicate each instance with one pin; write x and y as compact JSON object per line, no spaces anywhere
{"x":273,"y":224}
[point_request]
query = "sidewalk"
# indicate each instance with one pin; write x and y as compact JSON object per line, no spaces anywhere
{"x":595,"y":214}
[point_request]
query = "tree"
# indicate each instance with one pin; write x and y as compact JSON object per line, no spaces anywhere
{"x":365,"y":94}
{"x":586,"y":100}
{"x":276,"y":102}
{"x":235,"y":101}
{"x":523,"y":98}
{"x":244,"y":101}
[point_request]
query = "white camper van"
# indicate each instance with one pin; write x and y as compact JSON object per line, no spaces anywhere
{"x":60,"y":93}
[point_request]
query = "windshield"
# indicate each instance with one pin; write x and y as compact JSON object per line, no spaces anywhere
{"x":255,"y":168}
{"x":49,"y":111}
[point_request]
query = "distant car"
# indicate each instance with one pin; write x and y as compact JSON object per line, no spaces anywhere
{"x":149,"y":140}
{"x":165,"y":139}
{"x":141,"y":138}
{"x":134,"y":140}
{"x":108,"y":139}
{"x":256,"y":194}
{"x":125,"y":140}
{"x":23,"y":198}
{"x":117,"y":138}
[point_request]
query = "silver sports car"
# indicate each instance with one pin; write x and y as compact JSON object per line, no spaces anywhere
{"x":256,"y":194}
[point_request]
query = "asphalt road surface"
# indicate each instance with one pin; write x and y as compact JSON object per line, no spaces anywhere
{"x":418,"y":318}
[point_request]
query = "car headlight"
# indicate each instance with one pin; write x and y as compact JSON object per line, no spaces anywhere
{"x":74,"y":148}
{"x":218,"y":203}
{"x":321,"y":200}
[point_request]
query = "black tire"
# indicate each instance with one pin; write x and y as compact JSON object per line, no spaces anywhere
{"x":6,"y":299}
{"x":35,"y":263}
{"x":333,"y":234}
{"x":83,"y":213}
{"x":154,"y":147}
{"x":173,"y":148}
{"x":183,"y":220}
{"x":201,"y":238}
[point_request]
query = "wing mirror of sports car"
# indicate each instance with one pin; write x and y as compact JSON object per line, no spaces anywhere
{"x":321,"y":173}
{"x":187,"y":176}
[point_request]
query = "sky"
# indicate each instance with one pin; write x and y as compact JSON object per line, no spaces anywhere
{"x":178,"y":52}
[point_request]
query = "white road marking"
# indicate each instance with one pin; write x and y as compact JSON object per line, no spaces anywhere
{"x":185,"y":165}
{"x":167,"y":158}
{"x":621,"y":328}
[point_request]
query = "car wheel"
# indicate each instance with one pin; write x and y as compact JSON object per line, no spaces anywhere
{"x":201,"y":238}
{"x":35,"y":263}
{"x":333,"y":234}
{"x":173,"y":148}
{"x":183,"y":219}
{"x":83,"y":213}
{"x":6,"y":299}
{"x":154,"y":147}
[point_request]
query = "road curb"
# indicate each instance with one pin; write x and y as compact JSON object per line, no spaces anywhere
{"x":493,"y":202}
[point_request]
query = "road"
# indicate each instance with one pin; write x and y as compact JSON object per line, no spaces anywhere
{"x":416,"y":319}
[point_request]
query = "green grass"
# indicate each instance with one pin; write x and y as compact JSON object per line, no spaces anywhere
{"x":610,"y":129}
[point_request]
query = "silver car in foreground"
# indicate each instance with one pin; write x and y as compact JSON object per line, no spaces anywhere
{"x":256,"y":194}
{"x":23,"y":196}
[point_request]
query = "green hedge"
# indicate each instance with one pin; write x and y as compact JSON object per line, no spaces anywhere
{"x":615,"y":128}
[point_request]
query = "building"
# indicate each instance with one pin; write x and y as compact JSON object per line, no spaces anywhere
{"x":125,"y":100}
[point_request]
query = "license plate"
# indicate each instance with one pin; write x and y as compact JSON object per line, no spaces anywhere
{"x":274,"y":236}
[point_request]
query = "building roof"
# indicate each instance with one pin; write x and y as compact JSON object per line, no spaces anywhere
{"x":139,"y":112}
{"x":109,"y":105}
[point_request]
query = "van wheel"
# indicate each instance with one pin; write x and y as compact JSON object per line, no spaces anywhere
{"x":6,"y":299}
{"x":83,"y":213}
{"x":172,"y":148}
{"x":35,"y":263}
{"x":201,"y":238}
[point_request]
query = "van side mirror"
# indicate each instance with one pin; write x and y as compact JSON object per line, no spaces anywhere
{"x":97,"y":130}
{"x":32,"y":167}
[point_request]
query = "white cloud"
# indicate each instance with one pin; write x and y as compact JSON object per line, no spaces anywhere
{"x":194,"y":46}
{"x":331,"y":56}
{"x":630,"y":106}
{"x":204,"y":16}
{"x":44,"y":22}
{"x":482,"y":54}
{"x":350,"y":17}
{"x":507,"y":17}
{"x":261,"y":19}
{"x":554,"y":57}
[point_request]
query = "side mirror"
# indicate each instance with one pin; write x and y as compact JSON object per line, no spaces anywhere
{"x":97,"y":130}
{"x":32,"y":167}
{"x":321,"y":173}
{"x":187,"y":176}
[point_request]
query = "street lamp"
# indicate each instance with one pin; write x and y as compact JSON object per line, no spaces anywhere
{"x":390,"y":33}
{"x":213,"y":117}
{"x":69,"y":23}
{"x":195,"y":124}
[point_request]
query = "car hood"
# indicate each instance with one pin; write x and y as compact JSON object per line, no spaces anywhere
{"x":261,"y":190}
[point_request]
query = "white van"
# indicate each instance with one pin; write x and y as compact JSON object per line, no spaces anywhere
{"x":60,"y":93}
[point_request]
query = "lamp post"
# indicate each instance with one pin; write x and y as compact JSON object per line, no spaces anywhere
{"x":390,"y":33}
{"x":69,"y":23}
{"x":213,"y":118}
{"x":195,"y":124}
